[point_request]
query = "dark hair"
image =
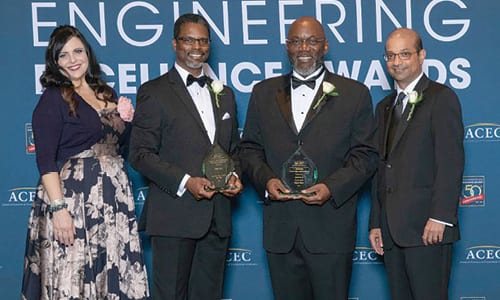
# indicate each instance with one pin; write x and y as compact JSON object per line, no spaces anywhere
{"x":52,"y":76}
{"x":190,"y":18}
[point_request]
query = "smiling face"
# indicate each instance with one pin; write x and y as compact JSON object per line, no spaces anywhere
{"x":191,"y":57}
{"x":73,"y":61}
{"x":306,"y":45}
{"x":405,"y":70}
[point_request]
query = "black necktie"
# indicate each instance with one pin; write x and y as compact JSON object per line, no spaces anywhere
{"x":397,"y":111}
{"x":310,"y":83}
{"x":398,"y":107}
{"x":200,"y":80}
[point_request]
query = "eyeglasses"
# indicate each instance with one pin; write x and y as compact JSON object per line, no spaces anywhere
{"x":310,"y":42}
{"x":191,"y":40}
{"x":405,"y":55}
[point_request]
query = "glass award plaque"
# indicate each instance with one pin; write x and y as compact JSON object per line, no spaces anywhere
{"x":217,"y":167}
{"x":299,"y":172}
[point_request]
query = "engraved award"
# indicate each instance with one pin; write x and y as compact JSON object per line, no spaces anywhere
{"x":299,"y":172}
{"x":217,"y":167}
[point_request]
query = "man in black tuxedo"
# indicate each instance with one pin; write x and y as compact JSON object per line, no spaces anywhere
{"x":413,"y":219}
{"x":180,"y":116}
{"x":309,"y":237}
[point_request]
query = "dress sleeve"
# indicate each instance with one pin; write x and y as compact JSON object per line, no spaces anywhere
{"x":47,"y":125}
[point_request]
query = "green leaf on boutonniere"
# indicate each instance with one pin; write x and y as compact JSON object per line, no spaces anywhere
{"x":328,"y":90}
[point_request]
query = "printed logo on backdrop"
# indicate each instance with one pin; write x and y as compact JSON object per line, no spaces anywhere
{"x":21,"y":196}
{"x":239,"y":257}
{"x":366,"y":256}
{"x":140,"y":195}
{"x":473,"y":191}
{"x":30,"y":141}
{"x":482,"y":132}
{"x":483,"y":254}
{"x":473,"y":298}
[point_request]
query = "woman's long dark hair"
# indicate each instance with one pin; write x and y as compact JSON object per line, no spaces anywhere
{"x":52,"y":76}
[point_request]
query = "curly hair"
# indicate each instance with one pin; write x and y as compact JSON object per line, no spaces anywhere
{"x":52,"y":75}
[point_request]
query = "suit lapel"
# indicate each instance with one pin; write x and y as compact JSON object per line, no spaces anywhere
{"x":284,"y":102}
{"x":182,"y":93}
{"x":217,"y":110}
{"x":312,"y":113}
{"x":387,"y":121}
{"x":422,"y":84}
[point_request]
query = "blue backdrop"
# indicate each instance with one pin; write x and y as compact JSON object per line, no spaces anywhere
{"x":133,"y":42}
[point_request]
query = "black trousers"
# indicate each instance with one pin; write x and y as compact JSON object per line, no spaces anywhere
{"x":189,"y":269}
{"x":418,"y":273}
{"x":301,"y":275}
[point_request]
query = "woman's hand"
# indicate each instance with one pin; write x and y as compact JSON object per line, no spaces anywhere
{"x":64,"y":229}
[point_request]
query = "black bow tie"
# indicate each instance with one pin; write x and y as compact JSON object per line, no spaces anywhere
{"x":200,"y":80}
{"x":310,"y":83}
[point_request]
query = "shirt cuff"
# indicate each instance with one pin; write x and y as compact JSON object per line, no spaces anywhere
{"x":441,"y":222}
{"x":182,"y":185}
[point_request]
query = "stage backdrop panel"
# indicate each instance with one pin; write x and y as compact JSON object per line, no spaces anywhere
{"x":133,"y":42}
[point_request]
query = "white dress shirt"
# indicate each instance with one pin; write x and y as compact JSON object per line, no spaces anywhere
{"x":203,"y":102}
{"x":303,"y":96}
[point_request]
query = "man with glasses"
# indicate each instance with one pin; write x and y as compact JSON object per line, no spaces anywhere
{"x":181,"y":116}
{"x":305,"y":118}
{"x":413,"y":220}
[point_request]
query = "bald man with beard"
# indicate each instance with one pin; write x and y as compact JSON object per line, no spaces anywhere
{"x":309,"y":237}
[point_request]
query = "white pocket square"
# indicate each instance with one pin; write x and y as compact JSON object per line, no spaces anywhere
{"x":226,"y":116}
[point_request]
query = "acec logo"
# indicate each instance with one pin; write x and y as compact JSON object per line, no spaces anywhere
{"x":21,"y":196}
{"x":482,"y":132}
{"x":365,"y":255}
{"x":239,"y":257}
{"x":483,"y":254}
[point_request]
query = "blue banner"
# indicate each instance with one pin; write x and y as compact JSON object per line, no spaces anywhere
{"x":132,"y":40}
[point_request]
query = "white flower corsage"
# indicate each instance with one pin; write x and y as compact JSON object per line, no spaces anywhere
{"x":216,"y":87}
{"x":125,"y":109}
{"x":414,"y":98}
{"x":328,"y":90}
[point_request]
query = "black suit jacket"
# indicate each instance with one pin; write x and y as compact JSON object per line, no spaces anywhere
{"x":168,"y":140}
{"x":420,"y":176}
{"x":337,"y":136}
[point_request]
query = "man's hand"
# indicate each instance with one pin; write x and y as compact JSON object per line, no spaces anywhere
{"x":433,"y":233}
{"x":234,"y":187}
{"x":200,"y":187}
{"x":376,"y":241}
{"x":317,"y":194}
{"x":277,"y":190}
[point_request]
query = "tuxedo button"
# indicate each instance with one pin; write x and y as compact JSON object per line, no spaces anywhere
{"x":389,"y":166}
{"x":389,"y":190}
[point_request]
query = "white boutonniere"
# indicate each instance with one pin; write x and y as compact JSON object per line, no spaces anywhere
{"x":414,"y":98}
{"x":216,"y":87}
{"x":328,"y":90}
{"x":125,"y":109}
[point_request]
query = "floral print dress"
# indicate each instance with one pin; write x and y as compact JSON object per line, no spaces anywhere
{"x":105,"y":261}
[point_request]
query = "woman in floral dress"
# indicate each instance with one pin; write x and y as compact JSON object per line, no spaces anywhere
{"x":82,"y":238}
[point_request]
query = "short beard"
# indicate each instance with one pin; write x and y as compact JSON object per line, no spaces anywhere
{"x":194,"y":65}
{"x":304,"y":72}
